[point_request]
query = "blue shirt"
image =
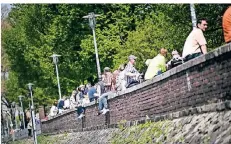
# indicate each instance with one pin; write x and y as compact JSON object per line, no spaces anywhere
{"x":91,"y":92}
{"x":60,"y":104}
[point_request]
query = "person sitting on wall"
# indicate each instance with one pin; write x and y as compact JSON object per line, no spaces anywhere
{"x":226,"y":23}
{"x":66,"y":103}
{"x":81,"y":106}
{"x":156,"y":65}
{"x":61,"y":104}
{"x":80,"y":94}
{"x":107,"y":79}
{"x":79,"y":99}
{"x":101,"y":93}
{"x":53,"y":110}
{"x":195,"y":44}
{"x":175,"y":61}
{"x":120,"y":78}
{"x":91,"y":92}
{"x":131,"y":74}
{"x":85,"y":89}
{"x":73,"y":99}
{"x":115,"y":74}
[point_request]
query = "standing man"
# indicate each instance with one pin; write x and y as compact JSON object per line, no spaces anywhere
{"x":195,"y":44}
{"x":226,"y":23}
{"x":131,"y":74}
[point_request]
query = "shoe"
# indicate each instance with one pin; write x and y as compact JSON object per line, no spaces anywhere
{"x":81,"y":115}
{"x":98,"y":113}
{"x":105,"y":111}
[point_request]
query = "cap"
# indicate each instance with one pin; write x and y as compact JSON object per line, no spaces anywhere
{"x":106,"y":68}
{"x":81,"y":86}
{"x":132,"y":57}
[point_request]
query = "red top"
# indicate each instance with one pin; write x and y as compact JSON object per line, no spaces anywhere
{"x":226,"y":23}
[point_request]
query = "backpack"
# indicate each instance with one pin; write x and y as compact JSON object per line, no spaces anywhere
{"x":175,"y":62}
{"x":132,"y":83}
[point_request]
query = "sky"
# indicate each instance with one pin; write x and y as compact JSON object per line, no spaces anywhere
{"x":2,"y":7}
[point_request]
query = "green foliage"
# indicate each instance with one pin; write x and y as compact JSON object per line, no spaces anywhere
{"x":39,"y":30}
{"x":121,"y":124}
{"x":150,"y":132}
{"x":42,"y":139}
{"x":206,"y":139}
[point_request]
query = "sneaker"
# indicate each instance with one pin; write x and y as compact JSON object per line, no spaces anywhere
{"x":81,"y":115}
{"x":98,"y":113}
{"x":105,"y":111}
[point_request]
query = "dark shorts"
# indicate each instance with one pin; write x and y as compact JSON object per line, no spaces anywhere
{"x":192,"y":56}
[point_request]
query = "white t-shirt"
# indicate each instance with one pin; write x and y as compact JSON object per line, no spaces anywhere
{"x":120,"y":81}
{"x":53,"y":110}
{"x":85,"y":101}
{"x":66,"y":103}
{"x":194,"y":40}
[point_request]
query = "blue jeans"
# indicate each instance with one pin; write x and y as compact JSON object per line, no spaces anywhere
{"x":91,"y":99}
{"x":80,"y":110}
{"x":159,"y":72}
{"x":103,"y":101}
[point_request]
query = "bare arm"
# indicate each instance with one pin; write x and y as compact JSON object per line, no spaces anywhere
{"x":130,"y":74}
{"x":98,"y":91}
{"x":204,"y":49}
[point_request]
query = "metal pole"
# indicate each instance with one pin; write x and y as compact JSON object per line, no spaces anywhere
{"x":92,"y":23}
{"x":57,"y":73}
{"x":96,"y":54}
{"x":193,"y":15}
{"x":33,"y":118}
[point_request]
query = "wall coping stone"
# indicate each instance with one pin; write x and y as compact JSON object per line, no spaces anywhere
{"x":201,"y":59}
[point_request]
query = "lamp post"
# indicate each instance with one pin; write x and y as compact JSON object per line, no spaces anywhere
{"x":33,"y":115}
{"x":193,"y":15}
{"x":23,"y":120}
{"x":55,"y":61}
{"x":92,"y":22}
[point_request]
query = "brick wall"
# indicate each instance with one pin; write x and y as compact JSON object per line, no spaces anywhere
{"x":194,"y":83}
